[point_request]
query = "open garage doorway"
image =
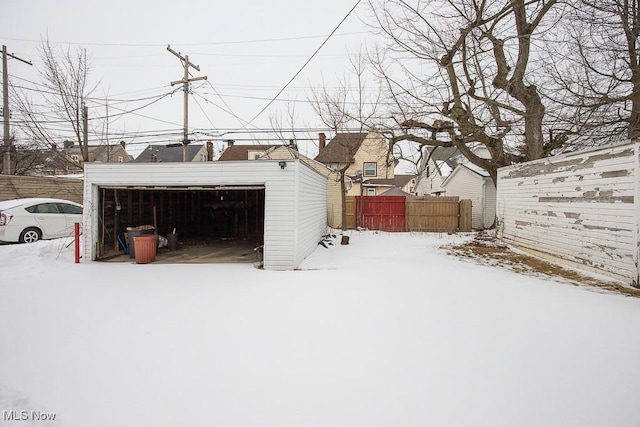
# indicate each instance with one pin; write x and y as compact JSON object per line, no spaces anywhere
{"x":213,"y":224}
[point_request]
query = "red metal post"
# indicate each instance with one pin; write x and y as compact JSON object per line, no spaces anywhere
{"x":77,"y":241}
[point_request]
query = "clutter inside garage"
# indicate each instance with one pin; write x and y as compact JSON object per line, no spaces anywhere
{"x":183,"y":218}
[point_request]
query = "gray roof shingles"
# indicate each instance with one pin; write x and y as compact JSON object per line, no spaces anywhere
{"x":166,"y":154}
{"x":341,"y":148}
{"x":241,"y":152}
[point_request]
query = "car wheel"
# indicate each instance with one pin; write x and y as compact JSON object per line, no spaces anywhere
{"x":30,"y":235}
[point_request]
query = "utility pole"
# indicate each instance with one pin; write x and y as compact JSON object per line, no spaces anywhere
{"x":185,"y":81}
{"x":6,"y":160}
{"x":85,"y":133}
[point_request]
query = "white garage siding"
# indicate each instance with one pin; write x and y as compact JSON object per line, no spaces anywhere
{"x":312,"y":211}
{"x":580,"y":207}
{"x":285,"y":245}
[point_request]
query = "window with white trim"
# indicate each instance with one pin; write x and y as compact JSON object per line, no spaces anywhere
{"x":370,"y":169}
{"x":371,"y":191}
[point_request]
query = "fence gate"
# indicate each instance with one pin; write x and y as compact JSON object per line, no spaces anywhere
{"x":433,"y":213}
{"x":385,"y":213}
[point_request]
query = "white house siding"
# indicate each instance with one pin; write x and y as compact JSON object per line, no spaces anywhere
{"x":469,"y":185}
{"x":489,"y":209}
{"x":581,"y":207}
{"x":282,"y":250}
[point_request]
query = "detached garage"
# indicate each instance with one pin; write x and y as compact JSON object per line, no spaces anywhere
{"x":278,"y":204}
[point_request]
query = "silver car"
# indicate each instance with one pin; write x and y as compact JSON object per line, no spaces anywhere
{"x":33,"y":219}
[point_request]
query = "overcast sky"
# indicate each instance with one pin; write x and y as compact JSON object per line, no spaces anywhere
{"x":248,"y":50}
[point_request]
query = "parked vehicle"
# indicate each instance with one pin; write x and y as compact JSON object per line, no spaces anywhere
{"x":33,"y":219}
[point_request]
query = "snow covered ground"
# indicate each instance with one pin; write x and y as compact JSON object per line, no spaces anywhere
{"x":387,"y":331}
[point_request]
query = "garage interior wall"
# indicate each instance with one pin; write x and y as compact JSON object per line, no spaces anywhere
{"x":281,"y":199}
{"x":198,"y":216}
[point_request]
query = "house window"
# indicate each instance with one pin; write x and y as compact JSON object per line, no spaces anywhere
{"x":203,"y":157}
{"x":371,"y":191}
{"x":370,"y":169}
{"x":120,"y":159}
{"x":74,"y":157}
{"x":334,"y":166}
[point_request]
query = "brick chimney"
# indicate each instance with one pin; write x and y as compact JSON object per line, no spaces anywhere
{"x":123,"y":144}
{"x":209,"y":151}
{"x":322,"y":141}
{"x":54,"y":147}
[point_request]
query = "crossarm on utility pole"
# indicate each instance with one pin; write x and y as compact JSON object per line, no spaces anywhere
{"x":185,"y":81}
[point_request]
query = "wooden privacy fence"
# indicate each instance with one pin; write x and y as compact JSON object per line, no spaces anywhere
{"x":416,"y":213}
{"x":17,"y":187}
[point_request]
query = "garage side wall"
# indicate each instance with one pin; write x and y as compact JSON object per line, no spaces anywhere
{"x":311,"y":211}
{"x":579,"y":207}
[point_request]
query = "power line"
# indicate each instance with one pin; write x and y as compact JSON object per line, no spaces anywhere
{"x":188,"y":44}
{"x":306,"y":63}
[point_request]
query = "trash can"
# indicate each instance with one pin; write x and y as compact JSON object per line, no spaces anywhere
{"x":137,"y":231}
{"x":173,"y":241}
{"x":145,"y":248}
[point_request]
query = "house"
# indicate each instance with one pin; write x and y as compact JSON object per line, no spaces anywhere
{"x":104,"y":153}
{"x":236,"y":152}
{"x":436,"y":164}
{"x":279,"y":204}
{"x":67,"y":160}
{"x":28,"y":161}
{"x":366,"y":159}
{"x":245,"y":152}
{"x":405,"y":183}
{"x":172,"y":153}
{"x":579,"y":209}
{"x":396,"y":192}
{"x":468,"y":181}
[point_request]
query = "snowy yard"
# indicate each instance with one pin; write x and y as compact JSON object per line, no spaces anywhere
{"x":387,"y":331}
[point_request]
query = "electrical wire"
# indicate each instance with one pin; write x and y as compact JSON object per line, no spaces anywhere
{"x":307,"y":62}
{"x":185,"y":44}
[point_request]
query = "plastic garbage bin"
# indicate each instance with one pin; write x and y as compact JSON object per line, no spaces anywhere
{"x":137,"y":231}
{"x":145,"y":248}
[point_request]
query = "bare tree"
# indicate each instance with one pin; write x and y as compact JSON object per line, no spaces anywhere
{"x":351,"y":106}
{"x":64,"y":89}
{"x":596,"y":83}
{"x":462,"y":77}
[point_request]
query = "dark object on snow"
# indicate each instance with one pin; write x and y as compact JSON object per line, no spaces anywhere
{"x":345,"y":240}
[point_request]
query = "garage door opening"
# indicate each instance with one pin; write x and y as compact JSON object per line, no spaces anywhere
{"x":206,"y":219}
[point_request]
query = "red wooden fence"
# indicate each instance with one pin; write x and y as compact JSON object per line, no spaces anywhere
{"x":385,"y":213}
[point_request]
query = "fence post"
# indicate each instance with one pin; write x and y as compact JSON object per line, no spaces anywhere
{"x":76,"y":233}
{"x":466,"y":218}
